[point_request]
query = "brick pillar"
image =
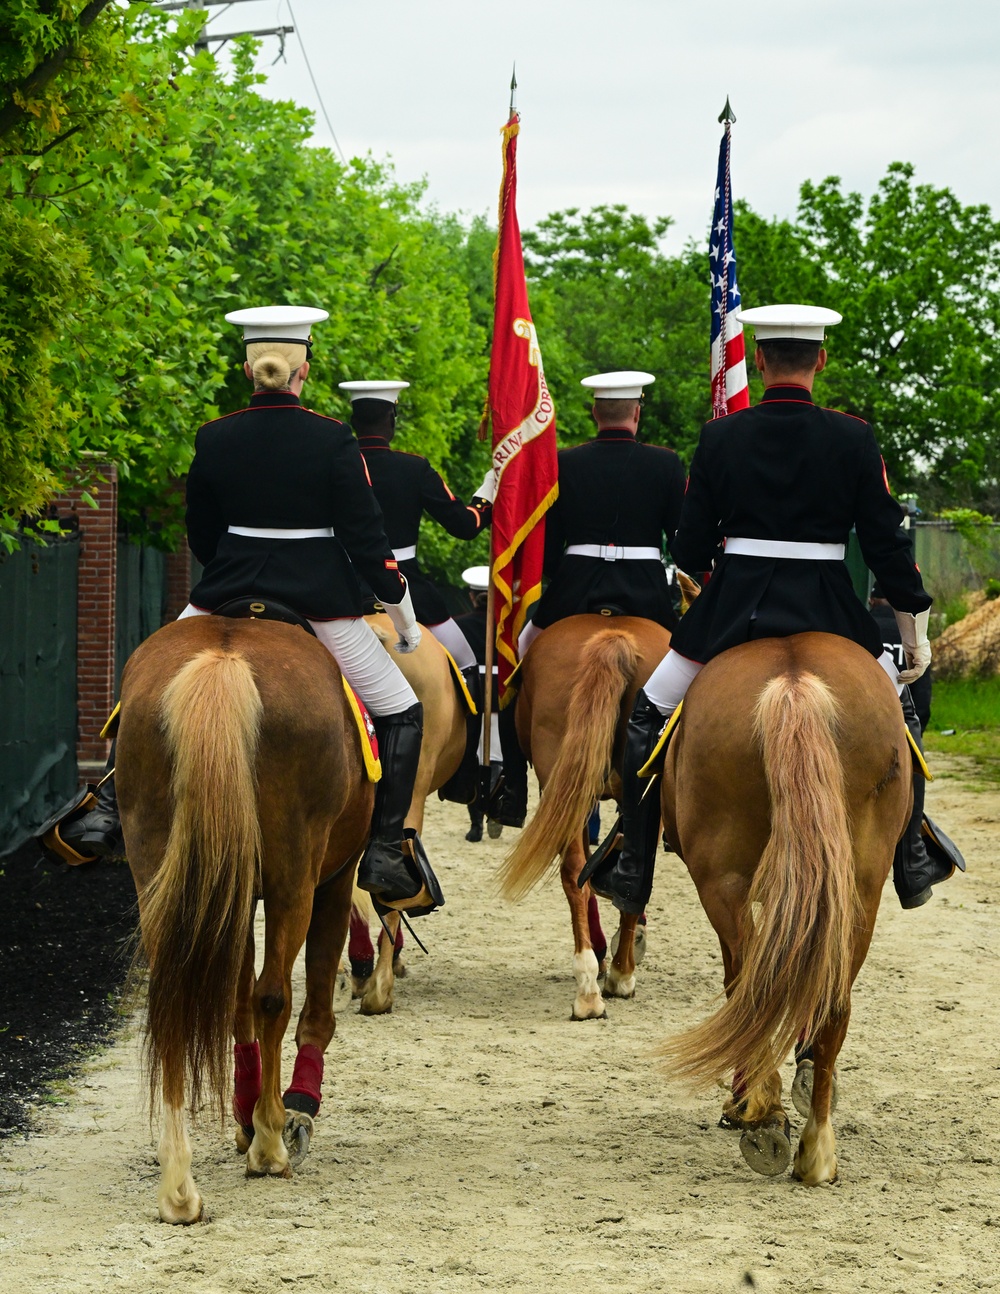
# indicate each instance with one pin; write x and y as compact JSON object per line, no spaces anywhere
{"x":95,"y":631}
{"x":178,"y":583}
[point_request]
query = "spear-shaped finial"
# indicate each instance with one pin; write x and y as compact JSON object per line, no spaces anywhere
{"x":513,"y":90}
{"x":727,"y":115}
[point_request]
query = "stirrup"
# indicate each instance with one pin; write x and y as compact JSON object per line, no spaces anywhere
{"x":429,"y":896}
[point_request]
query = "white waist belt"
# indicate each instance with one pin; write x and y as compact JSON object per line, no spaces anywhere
{"x":614,"y":552}
{"x":405,"y":554}
{"x":786,"y":548}
{"x":268,"y":532}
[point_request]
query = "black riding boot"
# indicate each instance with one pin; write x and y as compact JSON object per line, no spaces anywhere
{"x":394,"y":869}
{"x":462,"y":786}
{"x":625,"y":876}
{"x":914,"y":870}
{"x":98,"y":832}
{"x":509,"y":806}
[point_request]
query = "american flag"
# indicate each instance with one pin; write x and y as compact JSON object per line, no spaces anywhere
{"x":729,"y":368}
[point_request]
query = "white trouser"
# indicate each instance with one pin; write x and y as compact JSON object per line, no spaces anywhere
{"x":364,"y":662}
{"x":526,"y":637}
{"x":453,"y":640}
{"x":668,"y":683}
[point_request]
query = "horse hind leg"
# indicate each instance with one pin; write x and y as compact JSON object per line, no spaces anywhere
{"x":816,"y":1156}
{"x":588,"y":1003}
{"x":620,"y":981}
{"x":377,"y":997}
{"x":177,"y":1199}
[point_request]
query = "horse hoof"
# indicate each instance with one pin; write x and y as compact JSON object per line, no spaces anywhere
{"x":358,"y":987}
{"x":399,"y":967}
{"x":638,"y":944}
{"x":589,"y":1013}
{"x":342,"y":991}
{"x":299,"y":1128}
{"x":767,"y":1149}
{"x":372,"y":1006}
{"x":802,"y":1089}
{"x":242,"y":1141}
{"x":493,"y":829}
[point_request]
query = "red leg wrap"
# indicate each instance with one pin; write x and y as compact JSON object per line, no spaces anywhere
{"x":359,"y":944}
{"x":307,"y":1076}
{"x":246,"y":1082}
{"x":597,"y":939}
{"x":397,"y":942}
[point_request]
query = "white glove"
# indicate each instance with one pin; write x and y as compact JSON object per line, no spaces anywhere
{"x":404,"y":622}
{"x":916,"y":648}
{"x":488,"y":488}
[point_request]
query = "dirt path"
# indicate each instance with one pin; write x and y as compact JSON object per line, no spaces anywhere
{"x":477,"y":1139}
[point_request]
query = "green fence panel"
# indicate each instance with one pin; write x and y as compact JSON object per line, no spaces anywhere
{"x":141,"y":599}
{"x":38,"y":717}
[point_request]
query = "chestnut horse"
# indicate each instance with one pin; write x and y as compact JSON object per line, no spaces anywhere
{"x":786,"y":787}
{"x":240,"y":777}
{"x":578,"y":684}
{"x":429,"y":674}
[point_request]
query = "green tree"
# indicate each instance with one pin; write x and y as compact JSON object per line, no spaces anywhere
{"x":605,"y":296}
{"x":915,"y":274}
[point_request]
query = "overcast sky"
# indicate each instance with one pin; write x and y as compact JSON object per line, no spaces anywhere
{"x":619,"y":99}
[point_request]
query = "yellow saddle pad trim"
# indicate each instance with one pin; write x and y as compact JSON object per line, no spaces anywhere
{"x":661,"y":742}
{"x":460,"y":682}
{"x":110,"y":728}
{"x":373,"y":766}
{"x":918,"y":757}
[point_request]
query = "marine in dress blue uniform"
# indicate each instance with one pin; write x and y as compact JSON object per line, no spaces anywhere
{"x":772,"y":495}
{"x":279,"y":506}
{"x":619,"y":503}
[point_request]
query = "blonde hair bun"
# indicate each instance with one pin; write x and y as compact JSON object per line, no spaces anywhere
{"x":273,"y":363}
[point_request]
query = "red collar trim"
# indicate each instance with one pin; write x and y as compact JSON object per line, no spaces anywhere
{"x":373,"y":442}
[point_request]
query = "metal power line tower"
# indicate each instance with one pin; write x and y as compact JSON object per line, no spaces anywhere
{"x":207,"y":38}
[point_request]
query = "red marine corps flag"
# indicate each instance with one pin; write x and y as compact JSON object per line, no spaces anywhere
{"x":522,"y":415}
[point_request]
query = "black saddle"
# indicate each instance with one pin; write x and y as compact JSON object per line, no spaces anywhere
{"x":251,"y":608}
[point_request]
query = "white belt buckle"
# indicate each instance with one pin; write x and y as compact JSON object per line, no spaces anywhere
{"x":613,"y":552}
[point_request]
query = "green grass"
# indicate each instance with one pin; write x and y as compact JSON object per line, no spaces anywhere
{"x":972,"y":708}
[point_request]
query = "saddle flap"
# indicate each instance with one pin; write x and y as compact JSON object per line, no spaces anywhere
{"x":460,"y":683}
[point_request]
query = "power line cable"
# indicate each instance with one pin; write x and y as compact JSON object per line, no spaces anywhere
{"x":326,"y":115}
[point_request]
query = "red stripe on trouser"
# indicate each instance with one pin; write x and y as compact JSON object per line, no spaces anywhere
{"x":307,"y":1076}
{"x":246,"y":1081}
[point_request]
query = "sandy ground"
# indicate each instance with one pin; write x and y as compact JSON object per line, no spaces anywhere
{"x":478,"y":1139}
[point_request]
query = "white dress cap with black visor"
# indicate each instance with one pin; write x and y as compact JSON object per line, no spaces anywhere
{"x":381,"y":390}
{"x":789,"y":323}
{"x":288,"y":325}
{"x":625,"y":385}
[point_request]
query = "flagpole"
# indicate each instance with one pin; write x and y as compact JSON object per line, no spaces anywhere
{"x":491,"y":628}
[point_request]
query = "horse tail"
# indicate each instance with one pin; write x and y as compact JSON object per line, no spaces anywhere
{"x":582,"y":765}
{"x":802,"y":909}
{"x":197,"y":911}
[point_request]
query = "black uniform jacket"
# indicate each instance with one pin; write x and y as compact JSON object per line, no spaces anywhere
{"x":276,"y":465}
{"x":787,"y":469}
{"x":406,"y":487}
{"x":612,"y":490}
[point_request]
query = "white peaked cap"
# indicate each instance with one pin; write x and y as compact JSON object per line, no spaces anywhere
{"x":626,"y":385}
{"x":374,"y":390}
{"x":477,"y":577}
{"x":797,"y":323}
{"x":289,"y":324}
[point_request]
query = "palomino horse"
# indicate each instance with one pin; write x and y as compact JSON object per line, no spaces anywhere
{"x":429,"y":674}
{"x":240,"y":777}
{"x":785,"y":790}
{"x":578,"y":684}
